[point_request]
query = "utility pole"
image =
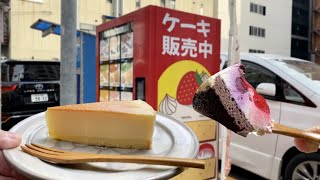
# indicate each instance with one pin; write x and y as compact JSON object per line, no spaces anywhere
{"x":68,"y":76}
{"x":1,"y":40}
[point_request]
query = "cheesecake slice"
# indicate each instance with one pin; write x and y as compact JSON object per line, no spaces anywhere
{"x":120,"y":124}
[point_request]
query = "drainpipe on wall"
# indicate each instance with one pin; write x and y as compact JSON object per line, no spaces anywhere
{"x":120,"y":11}
{"x":115,"y":4}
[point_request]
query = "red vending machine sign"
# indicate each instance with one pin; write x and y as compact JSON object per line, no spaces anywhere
{"x":188,"y":51}
{"x":162,"y":56}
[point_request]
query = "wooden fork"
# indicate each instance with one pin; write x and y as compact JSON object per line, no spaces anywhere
{"x":66,"y":157}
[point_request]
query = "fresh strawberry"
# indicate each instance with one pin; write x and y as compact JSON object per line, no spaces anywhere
{"x":188,"y":85}
{"x":261,"y":103}
{"x":258,"y":100}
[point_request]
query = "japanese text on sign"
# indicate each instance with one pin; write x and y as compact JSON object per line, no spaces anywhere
{"x":175,"y":46}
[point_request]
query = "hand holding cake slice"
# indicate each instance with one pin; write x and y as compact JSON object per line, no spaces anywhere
{"x":229,"y":99}
{"x":120,"y":124}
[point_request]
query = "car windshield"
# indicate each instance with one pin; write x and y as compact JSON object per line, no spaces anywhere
{"x":23,"y":72}
{"x":305,"y":72}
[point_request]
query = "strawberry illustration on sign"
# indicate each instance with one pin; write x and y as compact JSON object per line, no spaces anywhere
{"x":188,"y":85}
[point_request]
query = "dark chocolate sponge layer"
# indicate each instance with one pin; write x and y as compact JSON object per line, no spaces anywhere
{"x":209,"y":103}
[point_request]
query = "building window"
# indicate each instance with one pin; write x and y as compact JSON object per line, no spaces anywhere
{"x":36,"y":1}
{"x":201,"y":9}
{"x":172,"y":4}
{"x":168,"y":3}
{"x":256,"y":31}
{"x":256,"y":51}
{"x":138,"y":3}
{"x":259,"y":9}
{"x":163,"y":3}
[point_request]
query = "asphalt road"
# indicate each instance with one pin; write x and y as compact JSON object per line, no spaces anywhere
{"x":238,"y":173}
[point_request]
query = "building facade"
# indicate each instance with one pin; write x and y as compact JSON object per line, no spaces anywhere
{"x":301,"y":29}
{"x":27,"y":43}
{"x":315,"y":19}
{"x":263,"y":26}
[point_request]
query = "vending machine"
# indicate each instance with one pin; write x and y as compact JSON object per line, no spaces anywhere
{"x":162,"y":56}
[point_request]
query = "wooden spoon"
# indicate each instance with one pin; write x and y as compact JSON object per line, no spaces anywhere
{"x":296,"y":133}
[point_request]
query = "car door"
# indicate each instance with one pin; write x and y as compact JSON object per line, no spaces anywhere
{"x":298,"y":111}
{"x":256,"y":153}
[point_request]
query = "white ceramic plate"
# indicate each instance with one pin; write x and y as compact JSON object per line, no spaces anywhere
{"x":171,"y":138}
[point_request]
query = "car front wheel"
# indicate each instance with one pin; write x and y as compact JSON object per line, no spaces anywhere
{"x":303,"y":167}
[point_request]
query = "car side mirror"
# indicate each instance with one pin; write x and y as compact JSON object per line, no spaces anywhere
{"x":268,"y":89}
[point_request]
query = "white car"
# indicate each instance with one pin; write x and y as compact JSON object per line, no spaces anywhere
{"x":291,"y":87}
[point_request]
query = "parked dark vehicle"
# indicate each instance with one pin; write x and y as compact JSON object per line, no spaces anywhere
{"x":28,"y":87}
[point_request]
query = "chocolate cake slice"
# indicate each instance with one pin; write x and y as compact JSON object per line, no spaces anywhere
{"x":229,"y":99}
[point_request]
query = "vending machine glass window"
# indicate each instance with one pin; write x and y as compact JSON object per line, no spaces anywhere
{"x":116,"y":63}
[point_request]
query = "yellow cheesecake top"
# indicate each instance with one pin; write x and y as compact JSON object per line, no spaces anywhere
{"x":137,"y":107}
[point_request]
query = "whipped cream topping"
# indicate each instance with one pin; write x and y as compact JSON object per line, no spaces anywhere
{"x":168,"y":105}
